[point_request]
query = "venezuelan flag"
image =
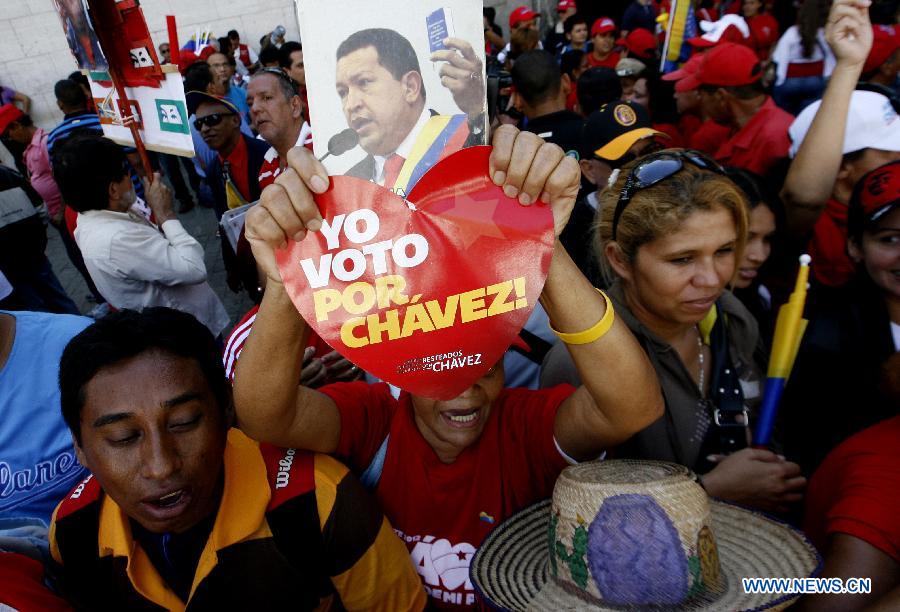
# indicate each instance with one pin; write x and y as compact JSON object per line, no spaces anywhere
{"x":789,"y":329}
{"x":682,"y":26}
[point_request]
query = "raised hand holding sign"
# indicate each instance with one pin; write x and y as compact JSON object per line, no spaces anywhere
{"x":428,"y":295}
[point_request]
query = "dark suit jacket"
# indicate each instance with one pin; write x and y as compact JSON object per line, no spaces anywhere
{"x":366,"y":168}
{"x":256,"y":151}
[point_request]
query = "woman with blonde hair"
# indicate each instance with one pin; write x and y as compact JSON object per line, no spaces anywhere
{"x":669,"y":232}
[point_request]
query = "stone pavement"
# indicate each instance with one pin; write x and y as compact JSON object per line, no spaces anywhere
{"x":200,"y":222}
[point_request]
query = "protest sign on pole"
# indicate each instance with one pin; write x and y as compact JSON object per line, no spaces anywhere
{"x":141,"y":103}
{"x":161,"y":113}
{"x":394,"y":86}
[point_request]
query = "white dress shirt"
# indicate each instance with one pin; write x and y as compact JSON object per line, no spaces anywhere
{"x":136,"y":266}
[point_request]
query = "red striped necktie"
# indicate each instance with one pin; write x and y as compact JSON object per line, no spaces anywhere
{"x":392,"y":166}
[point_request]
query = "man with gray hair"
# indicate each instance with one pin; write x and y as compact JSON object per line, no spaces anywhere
{"x":276,"y":111}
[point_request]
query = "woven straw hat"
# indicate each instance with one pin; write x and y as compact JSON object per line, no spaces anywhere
{"x":637,"y":535}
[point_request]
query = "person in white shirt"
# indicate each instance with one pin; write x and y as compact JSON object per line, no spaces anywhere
{"x":803,"y":59}
{"x":134,"y":262}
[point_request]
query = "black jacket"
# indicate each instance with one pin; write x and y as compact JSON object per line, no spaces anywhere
{"x":256,"y":151}
{"x":833,"y":390}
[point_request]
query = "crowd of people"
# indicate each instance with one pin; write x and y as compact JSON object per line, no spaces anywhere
{"x":156,"y":454}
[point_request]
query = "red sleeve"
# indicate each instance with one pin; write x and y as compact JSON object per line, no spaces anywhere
{"x":857,"y":490}
{"x":528,"y":419}
{"x":366,"y":414}
{"x":22,"y":585}
{"x":71,"y":218}
{"x":235,"y":343}
{"x":868,"y":504}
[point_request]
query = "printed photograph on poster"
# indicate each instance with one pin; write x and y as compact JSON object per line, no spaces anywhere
{"x":396,"y":85}
{"x":160,"y":112}
{"x":80,"y":34}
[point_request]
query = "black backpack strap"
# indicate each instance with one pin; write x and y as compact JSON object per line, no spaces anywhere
{"x":729,"y":411}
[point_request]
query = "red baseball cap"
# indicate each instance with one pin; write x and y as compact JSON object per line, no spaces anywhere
{"x":565,"y":5}
{"x":885,"y":40}
{"x":8,"y":114}
{"x":520,"y":14}
{"x":728,"y":65}
{"x":876,"y":194}
{"x":688,"y":68}
{"x":640,"y":43}
{"x":602,"y":26}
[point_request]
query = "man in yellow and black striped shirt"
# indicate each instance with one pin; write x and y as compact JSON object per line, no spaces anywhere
{"x":183,"y":513}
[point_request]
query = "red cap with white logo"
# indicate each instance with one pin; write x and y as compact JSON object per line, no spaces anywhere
{"x":602,"y":26}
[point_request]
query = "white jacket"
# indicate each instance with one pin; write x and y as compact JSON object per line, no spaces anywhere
{"x":134,"y":265}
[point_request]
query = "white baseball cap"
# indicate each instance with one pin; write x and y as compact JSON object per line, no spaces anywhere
{"x":872,"y":123}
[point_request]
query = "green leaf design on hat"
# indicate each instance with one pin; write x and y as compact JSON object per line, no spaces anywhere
{"x":575,"y":559}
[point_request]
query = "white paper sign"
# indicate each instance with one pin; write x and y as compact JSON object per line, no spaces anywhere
{"x":162,"y":112}
{"x":372,"y":104}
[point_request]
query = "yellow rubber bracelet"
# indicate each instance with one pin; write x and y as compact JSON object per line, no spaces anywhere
{"x":594,"y":333}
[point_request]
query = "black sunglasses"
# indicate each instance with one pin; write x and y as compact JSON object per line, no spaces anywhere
{"x":210,"y":120}
{"x":658,"y":167}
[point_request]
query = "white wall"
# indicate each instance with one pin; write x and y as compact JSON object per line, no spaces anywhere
{"x":34,"y":54}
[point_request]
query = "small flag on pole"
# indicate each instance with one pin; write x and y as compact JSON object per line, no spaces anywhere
{"x":789,"y":329}
{"x":682,"y":25}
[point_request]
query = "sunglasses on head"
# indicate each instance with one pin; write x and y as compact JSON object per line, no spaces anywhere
{"x":210,"y":120}
{"x":284,"y":76}
{"x":655,"y":168}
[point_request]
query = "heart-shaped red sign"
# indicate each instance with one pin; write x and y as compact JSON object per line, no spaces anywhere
{"x":426,"y":295}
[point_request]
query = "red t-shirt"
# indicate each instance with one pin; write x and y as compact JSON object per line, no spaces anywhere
{"x":708,"y":137}
{"x":828,"y":247}
{"x":688,"y":123}
{"x":444,"y":511}
{"x":674,"y":140}
{"x":610,"y":62}
{"x":572,"y":98}
{"x":762,"y":141}
{"x":856,"y":491}
{"x":238,"y":162}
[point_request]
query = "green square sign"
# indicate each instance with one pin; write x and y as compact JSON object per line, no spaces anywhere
{"x":173,"y":116}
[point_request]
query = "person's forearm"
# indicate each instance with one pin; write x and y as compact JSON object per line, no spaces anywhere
{"x":267,"y":372}
{"x":812,"y":174}
{"x":184,"y":258}
{"x":614,"y":368}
